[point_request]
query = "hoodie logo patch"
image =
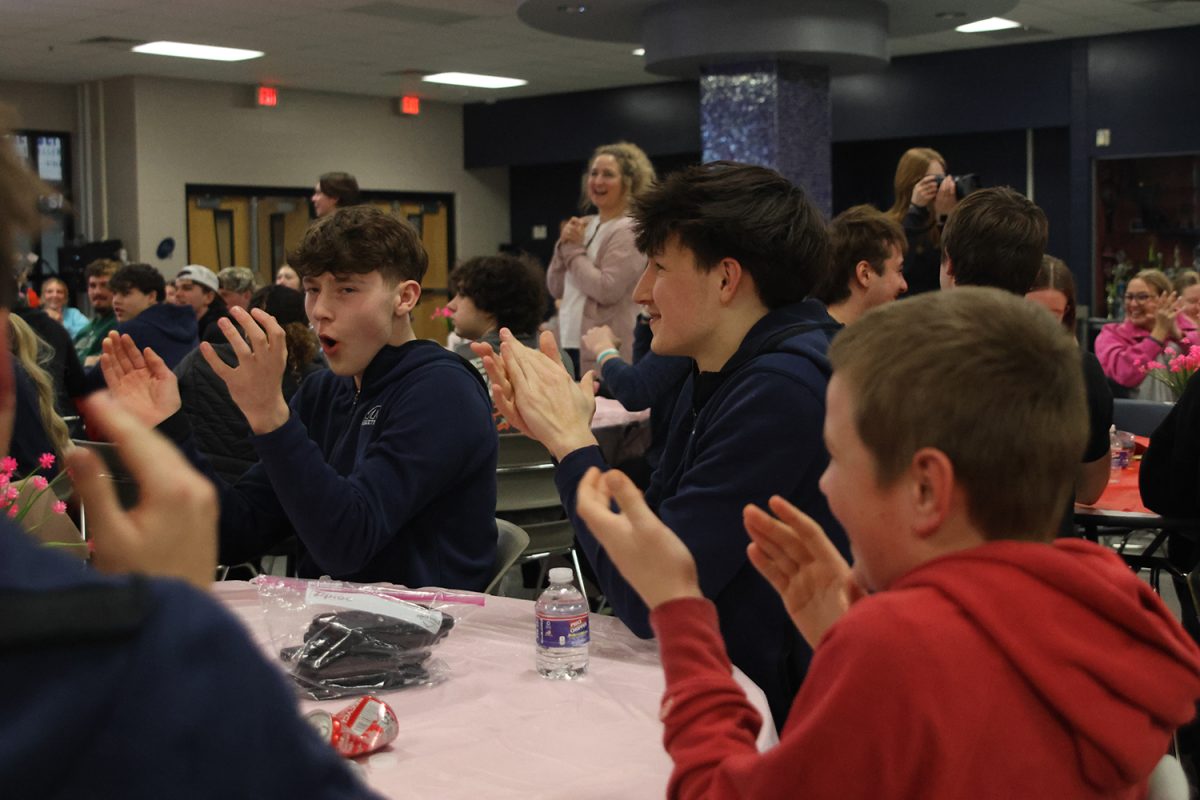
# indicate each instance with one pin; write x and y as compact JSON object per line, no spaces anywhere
{"x":371,"y":415}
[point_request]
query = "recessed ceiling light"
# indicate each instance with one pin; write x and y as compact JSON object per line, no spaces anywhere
{"x":990,"y":24}
{"x":573,"y":9}
{"x":950,"y":14}
{"x":640,"y":51}
{"x":475,"y":81}
{"x":202,"y":51}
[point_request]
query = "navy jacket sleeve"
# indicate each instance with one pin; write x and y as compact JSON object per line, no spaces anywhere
{"x":428,"y":436}
{"x":733,"y":466}
{"x":1170,"y":474}
{"x":639,"y":386}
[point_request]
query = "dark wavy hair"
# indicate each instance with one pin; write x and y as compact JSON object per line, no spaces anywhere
{"x":510,"y":288}
{"x":143,"y":277}
{"x":360,"y":240}
{"x":342,"y":186}
{"x":860,"y":233}
{"x":286,"y":305}
{"x":749,"y":213}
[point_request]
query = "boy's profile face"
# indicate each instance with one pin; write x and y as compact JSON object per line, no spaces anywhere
{"x":874,"y":517}
{"x":130,"y":302}
{"x":681,"y":300}
{"x":469,"y":321}
{"x":354,"y":316}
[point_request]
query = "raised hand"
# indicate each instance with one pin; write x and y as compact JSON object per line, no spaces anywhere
{"x":793,"y":553}
{"x":1166,"y":319}
{"x":599,"y":339}
{"x":572,"y":230}
{"x":946,"y":198}
{"x":140,"y":381}
{"x":172,"y":532}
{"x":502,"y":392}
{"x":652,"y":558}
{"x":255,"y":384}
{"x":924,"y":191}
{"x":551,"y":406}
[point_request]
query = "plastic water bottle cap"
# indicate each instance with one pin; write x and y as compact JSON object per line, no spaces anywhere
{"x":561,"y":575}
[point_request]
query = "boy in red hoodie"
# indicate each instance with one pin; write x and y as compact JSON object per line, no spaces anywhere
{"x":968,"y":653}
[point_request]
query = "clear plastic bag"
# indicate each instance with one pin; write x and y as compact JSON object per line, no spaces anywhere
{"x":344,"y":639}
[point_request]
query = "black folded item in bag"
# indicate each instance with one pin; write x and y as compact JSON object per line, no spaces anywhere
{"x":352,"y":652}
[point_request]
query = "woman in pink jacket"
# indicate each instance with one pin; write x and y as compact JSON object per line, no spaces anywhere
{"x":1152,"y":324}
{"x":595,"y":264}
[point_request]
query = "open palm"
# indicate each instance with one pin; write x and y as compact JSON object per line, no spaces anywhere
{"x":141,"y":382}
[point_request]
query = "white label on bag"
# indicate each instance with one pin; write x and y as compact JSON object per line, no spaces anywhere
{"x":431,"y":621}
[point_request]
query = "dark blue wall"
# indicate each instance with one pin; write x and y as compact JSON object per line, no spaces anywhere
{"x":973,"y":105}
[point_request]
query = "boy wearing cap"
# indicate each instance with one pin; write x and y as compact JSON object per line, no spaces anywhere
{"x":198,"y":287}
{"x":990,"y":660}
{"x":384,"y":466}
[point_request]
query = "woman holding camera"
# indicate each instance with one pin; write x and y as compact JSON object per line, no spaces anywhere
{"x":925,"y":196}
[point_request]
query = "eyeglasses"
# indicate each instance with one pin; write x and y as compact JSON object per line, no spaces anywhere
{"x":1140,"y":297}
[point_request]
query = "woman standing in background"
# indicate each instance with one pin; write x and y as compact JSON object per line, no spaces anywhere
{"x":596,"y":264}
{"x":925,"y":196}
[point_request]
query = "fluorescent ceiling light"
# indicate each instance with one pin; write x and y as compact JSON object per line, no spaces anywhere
{"x":641,"y":51}
{"x":475,"y":81}
{"x":202,"y":51}
{"x":990,"y":24}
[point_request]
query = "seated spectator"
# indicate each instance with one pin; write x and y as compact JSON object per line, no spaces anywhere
{"x":57,"y":357}
{"x":1054,"y":289}
{"x":170,"y":330}
{"x":867,"y":263}
{"x":1153,"y":323}
{"x":966,"y":654}
{"x":55,"y":302}
{"x":88,"y":340}
{"x":237,"y":284}
{"x":652,"y":382}
{"x":1187,"y":286}
{"x":493,"y":292}
{"x":198,"y":287}
{"x":286,"y":276}
{"x":222,"y":433}
{"x":124,"y":678}
{"x":734,"y":251}
{"x":383,"y":466}
{"x":38,"y":428}
{"x":169,"y":292}
{"x":997,"y":237}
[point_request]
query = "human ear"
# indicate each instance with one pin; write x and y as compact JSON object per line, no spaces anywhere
{"x":408,"y":294}
{"x":863,"y":273}
{"x":933,"y":485}
{"x":731,"y":277}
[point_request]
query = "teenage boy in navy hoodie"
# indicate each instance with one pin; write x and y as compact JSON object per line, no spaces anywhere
{"x":385,"y":465}
{"x":168,"y":329}
{"x":734,"y":251}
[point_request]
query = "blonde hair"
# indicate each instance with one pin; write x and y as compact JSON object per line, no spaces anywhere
{"x":1186,"y":278}
{"x":1156,"y":279}
{"x":1016,"y":459}
{"x":33,"y":354}
{"x":637,"y":173}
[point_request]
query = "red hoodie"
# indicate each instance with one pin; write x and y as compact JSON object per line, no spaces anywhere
{"x":1012,"y":669}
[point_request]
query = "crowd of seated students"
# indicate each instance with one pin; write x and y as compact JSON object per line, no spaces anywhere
{"x":784,"y":378}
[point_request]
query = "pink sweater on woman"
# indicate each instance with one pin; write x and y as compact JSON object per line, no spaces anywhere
{"x":1124,"y":349}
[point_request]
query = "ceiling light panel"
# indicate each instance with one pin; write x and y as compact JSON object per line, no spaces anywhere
{"x":200,"y":51}
{"x":474,"y":81}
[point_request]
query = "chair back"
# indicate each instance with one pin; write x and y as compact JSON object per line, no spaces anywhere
{"x":527,"y":496}
{"x":1139,"y":417}
{"x":511,"y":544}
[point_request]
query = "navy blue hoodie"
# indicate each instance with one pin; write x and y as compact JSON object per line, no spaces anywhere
{"x":139,"y":688}
{"x":737,"y":436}
{"x":396,"y":482}
{"x":167,"y":328}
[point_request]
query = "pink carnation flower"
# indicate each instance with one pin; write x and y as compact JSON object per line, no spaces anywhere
{"x":39,"y":482}
{"x":13,"y":510}
{"x":12,"y":493}
{"x":8,"y":464}
{"x":46,"y":460}
{"x":59,"y":507}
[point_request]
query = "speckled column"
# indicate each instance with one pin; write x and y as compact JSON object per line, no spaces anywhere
{"x":772,"y":113}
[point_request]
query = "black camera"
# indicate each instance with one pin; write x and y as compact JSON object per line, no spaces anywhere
{"x":963,"y":184}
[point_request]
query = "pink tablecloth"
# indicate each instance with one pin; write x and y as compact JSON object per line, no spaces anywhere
{"x":495,"y":729}
{"x":621,"y":434}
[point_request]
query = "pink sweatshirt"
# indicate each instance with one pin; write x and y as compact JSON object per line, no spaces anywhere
{"x":1123,"y":349}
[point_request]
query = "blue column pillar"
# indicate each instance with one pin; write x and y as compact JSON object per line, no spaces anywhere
{"x":772,"y":113}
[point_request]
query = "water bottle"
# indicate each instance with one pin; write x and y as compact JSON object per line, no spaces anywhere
{"x":562,"y":628}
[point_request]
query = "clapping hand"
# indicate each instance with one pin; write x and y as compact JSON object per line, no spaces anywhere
{"x":1166,"y":319}
{"x":255,"y":383}
{"x":794,"y":555}
{"x":172,"y":531}
{"x":139,"y":381}
{"x":572,"y":230}
{"x":599,"y":339}
{"x":533,"y":391}
{"x":652,"y":558}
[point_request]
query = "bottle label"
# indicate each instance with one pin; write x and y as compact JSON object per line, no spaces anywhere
{"x":562,"y":631}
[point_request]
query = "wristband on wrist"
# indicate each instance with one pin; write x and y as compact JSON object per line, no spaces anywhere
{"x":611,"y":351}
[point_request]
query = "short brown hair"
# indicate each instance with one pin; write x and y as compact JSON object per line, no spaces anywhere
{"x":1186,"y":278}
{"x":102,"y":268}
{"x":341,"y":186}
{"x":995,"y":237}
{"x":860,"y":233}
{"x":1015,"y":459}
{"x":361,"y":239}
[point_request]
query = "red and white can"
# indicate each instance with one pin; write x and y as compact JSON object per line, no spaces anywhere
{"x":364,"y":727}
